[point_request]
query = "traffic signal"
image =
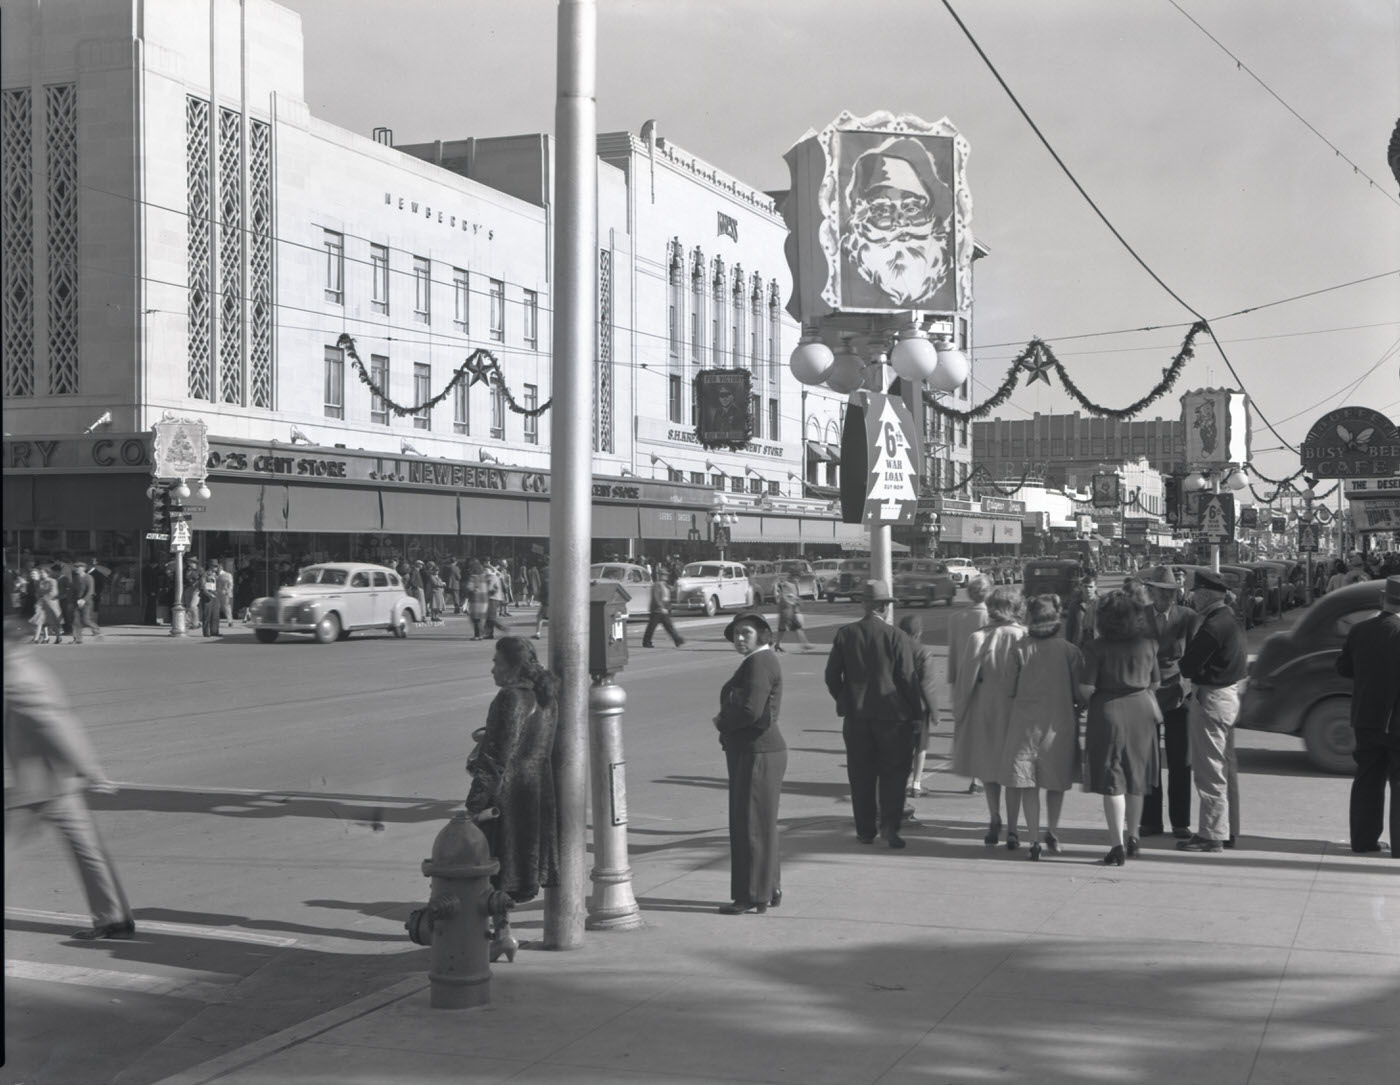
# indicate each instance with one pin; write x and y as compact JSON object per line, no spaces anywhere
{"x":160,"y":519}
{"x":1171,"y":499}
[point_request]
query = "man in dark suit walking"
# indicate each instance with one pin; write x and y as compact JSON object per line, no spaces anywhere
{"x":1369,"y":656}
{"x":873,"y":677}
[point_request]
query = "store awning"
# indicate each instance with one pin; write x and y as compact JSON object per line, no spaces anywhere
{"x":496,"y":516}
{"x":748,"y":529}
{"x":327,"y":510}
{"x":418,"y":513}
{"x":244,"y":506}
{"x":819,"y":450}
{"x":672,"y":523}
{"x":616,"y":522}
{"x":833,"y":453}
{"x":782,"y":527}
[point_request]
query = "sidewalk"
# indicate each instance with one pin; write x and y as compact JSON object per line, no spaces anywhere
{"x":947,"y":962}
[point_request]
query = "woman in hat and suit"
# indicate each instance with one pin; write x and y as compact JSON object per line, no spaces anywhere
{"x":756,"y":757}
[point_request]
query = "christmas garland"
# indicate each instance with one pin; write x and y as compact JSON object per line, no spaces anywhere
{"x":1038,"y":360}
{"x":977,"y":472}
{"x":1272,"y":481}
{"x":1287,"y":484}
{"x":481,"y":366}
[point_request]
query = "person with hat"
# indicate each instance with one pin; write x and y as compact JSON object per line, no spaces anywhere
{"x":872,"y":676}
{"x":1369,"y":657}
{"x":1216,"y":659}
{"x":659,"y":612}
{"x":755,"y":756}
{"x":84,"y":602}
{"x":51,"y":764}
{"x":1172,"y":627}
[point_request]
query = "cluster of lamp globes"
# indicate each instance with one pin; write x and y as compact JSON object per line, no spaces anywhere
{"x":1198,"y":480}
{"x":914,"y":358}
{"x":182,"y":491}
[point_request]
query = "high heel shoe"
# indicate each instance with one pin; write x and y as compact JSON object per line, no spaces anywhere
{"x":739,"y":907}
{"x":1114,"y":857}
{"x":993,"y":833}
{"x":1013,"y":841}
{"x":776,"y":899}
{"x":1035,"y":852}
{"x":504,"y":944}
{"x":1052,"y":843}
{"x":1133,"y":848}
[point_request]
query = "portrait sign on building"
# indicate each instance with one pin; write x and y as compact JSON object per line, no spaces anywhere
{"x":1351,"y":442}
{"x":1215,"y":422}
{"x":722,"y":401}
{"x":1106,"y":491}
{"x":879,"y":218}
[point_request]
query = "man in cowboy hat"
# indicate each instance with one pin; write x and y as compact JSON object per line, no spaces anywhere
{"x":1368,"y":657}
{"x":1216,"y":660}
{"x":1173,"y":626}
{"x":873,"y":677}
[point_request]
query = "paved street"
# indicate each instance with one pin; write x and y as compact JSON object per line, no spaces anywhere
{"x":276,"y":802}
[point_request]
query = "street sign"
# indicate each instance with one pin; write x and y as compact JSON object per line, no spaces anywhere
{"x":157,"y":536}
{"x":195,"y":508}
{"x":1307,"y":538}
{"x":1218,"y":518}
{"x":180,"y":535}
{"x":892,"y":495}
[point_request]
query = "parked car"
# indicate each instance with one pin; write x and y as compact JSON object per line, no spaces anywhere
{"x":1063,"y":577}
{"x":1268,"y":589}
{"x":1293,"y":686}
{"x":635,"y":581}
{"x":1239,"y":581}
{"x":712,"y":586}
{"x":763,"y":577}
{"x":922,"y":580}
{"x":825,"y":569}
{"x":961,"y":570}
{"x":331,"y":601}
{"x":801,"y":573}
{"x":849,"y":580}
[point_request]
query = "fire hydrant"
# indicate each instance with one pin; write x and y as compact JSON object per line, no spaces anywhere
{"x":454,"y":922}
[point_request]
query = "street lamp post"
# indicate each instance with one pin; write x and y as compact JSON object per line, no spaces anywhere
{"x":721,"y":521}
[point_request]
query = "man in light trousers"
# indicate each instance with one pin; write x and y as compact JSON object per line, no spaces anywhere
{"x":1216,"y":660}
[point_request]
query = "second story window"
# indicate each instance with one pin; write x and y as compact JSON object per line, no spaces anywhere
{"x":334,"y":246}
{"x":379,"y":278}
{"x":756,"y":415}
{"x":461,"y":299}
{"x":422,"y":392}
{"x":773,"y":432}
{"x":532,"y":422}
{"x":532,"y":318}
{"x":498,"y":412}
{"x":461,"y":408}
{"x":335,"y":383}
{"x":379,"y":374}
{"x":676,"y":399}
{"x":498,"y":310}
{"x":422,"y":289}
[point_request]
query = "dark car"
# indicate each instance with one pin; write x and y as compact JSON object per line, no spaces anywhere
{"x":1241,"y":583}
{"x":1058,"y":576}
{"x":1294,"y":687}
{"x":922,"y":580}
{"x":849,"y":580}
{"x":800,"y":572}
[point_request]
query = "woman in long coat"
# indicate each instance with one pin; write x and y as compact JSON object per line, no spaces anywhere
{"x":477,"y":598}
{"x":512,"y":772}
{"x":1042,"y":739}
{"x":756,"y":757}
{"x":982,"y":706}
{"x":1120,"y":733}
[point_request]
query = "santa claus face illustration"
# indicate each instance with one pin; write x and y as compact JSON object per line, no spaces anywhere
{"x":1204,"y":423}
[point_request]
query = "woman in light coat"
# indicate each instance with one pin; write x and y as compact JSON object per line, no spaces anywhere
{"x":982,"y":705}
{"x":961,"y":625}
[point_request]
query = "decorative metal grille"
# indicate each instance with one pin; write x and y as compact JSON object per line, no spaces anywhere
{"x":260,"y":265}
{"x":200,"y":226}
{"x":603,"y":438}
{"x":17,"y":240}
{"x":230,"y":257}
{"x":61,"y":135}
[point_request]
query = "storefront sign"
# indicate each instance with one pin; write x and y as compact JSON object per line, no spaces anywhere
{"x":1002,"y":504}
{"x":1363,"y":489}
{"x":1351,"y":441}
{"x":1382,"y":514}
{"x":427,"y":211}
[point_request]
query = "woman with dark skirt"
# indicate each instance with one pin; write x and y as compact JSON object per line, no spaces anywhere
{"x":756,"y":756}
{"x":1120,"y":734}
{"x":512,"y":772}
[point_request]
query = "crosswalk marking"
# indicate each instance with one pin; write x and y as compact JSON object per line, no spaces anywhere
{"x":200,"y":990}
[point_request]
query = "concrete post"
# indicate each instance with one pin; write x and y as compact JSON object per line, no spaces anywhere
{"x":571,"y":447}
{"x":177,"y":607}
{"x":612,"y":907}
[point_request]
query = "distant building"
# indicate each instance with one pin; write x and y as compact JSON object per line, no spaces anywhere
{"x":1065,"y":449}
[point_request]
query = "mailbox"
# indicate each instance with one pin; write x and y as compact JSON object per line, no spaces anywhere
{"x":607,"y":627}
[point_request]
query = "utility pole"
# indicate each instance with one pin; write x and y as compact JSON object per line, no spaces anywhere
{"x":571,"y":452}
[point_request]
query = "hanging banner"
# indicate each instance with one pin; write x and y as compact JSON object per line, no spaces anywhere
{"x":892,"y":478}
{"x":1106,"y":491}
{"x":722,"y":396}
{"x":1215,"y":422}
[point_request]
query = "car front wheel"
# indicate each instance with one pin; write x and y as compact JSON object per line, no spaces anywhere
{"x":1328,"y":736}
{"x":711,"y":606}
{"x":265,"y":636}
{"x":327,"y":629}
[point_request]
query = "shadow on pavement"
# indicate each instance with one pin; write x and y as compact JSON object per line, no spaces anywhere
{"x":371,"y":811}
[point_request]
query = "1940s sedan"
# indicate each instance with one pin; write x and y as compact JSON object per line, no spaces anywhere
{"x":330,"y":601}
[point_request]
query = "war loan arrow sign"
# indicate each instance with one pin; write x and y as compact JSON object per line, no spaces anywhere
{"x":892,"y":493}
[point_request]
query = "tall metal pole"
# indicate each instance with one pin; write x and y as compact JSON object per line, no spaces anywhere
{"x":571,"y":442}
{"x":881,"y":557}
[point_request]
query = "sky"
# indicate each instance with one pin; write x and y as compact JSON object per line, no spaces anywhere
{"x":1238,"y":191}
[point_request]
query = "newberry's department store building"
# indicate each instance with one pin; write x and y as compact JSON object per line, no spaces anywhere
{"x":181,"y":235}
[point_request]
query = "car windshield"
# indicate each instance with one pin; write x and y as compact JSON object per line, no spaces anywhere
{"x":793,"y":566}
{"x":609,"y":572}
{"x":700,"y":568}
{"x":855,"y":566}
{"x":317,"y":575}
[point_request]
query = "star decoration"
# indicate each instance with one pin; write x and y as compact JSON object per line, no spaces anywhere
{"x":1038,"y":365}
{"x":480,"y":368}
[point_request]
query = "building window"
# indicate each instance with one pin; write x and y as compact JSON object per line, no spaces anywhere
{"x":335,"y":383}
{"x":422,"y":392}
{"x":461,"y":407}
{"x":334,"y":245}
{"x":755,"y":485}
{"x":717,"y":481}
{"x":532,"y":422}
{"x":461,"y":299}
{"x":532,"y":318}
{"x":672,"y":475}
{"x":775,"y":489}
{"x":773,"y":430}
{"x":673,"y":331}
{"x":676,"y":398}
{"x":498,"y":310}
{"x":379,"y":375}
{"x":697,"y":477}
{"x":422,"y":289}
{"x":379,"y":278}
{"x":756,"y":415}
{"x":498,"y":412}
{"x":736,"y":484}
